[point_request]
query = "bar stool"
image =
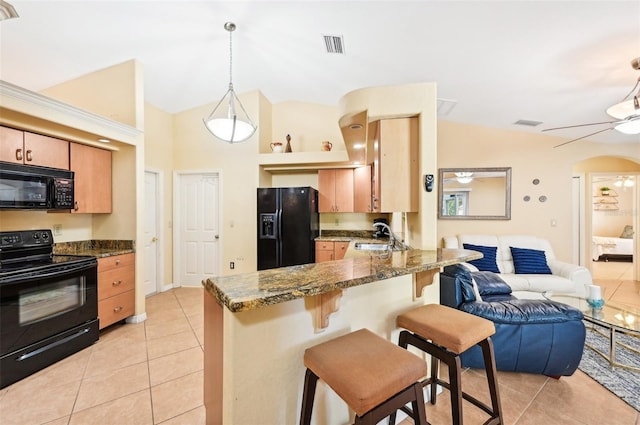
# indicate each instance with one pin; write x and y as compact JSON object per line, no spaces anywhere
{"x":372,"y":375}
{"x":445,"y":333}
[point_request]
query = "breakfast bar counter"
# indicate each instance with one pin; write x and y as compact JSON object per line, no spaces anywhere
{"x":257,"y":326}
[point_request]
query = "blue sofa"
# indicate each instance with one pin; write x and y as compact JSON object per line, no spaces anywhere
{"x":532,"y":336}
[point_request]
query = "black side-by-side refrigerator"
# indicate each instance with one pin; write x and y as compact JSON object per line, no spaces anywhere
{"x":288,"y":224}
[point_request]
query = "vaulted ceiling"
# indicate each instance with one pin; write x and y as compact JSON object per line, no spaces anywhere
{"x":495,"y":62}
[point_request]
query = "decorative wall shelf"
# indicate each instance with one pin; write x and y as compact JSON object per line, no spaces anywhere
{"x":304,"y":160}
{"x":603,"y":207}
{"x":605,"y":202}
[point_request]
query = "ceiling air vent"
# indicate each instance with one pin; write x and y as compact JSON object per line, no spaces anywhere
{"x":334,"y":44}
{"x":528,"y":123}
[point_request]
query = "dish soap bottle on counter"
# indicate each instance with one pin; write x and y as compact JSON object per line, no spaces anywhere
{"x":288,"y":148}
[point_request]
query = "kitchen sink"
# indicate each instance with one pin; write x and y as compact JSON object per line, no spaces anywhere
{"x":364,"y":246}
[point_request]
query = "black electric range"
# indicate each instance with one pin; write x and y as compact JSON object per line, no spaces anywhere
{"x":49,"y":303}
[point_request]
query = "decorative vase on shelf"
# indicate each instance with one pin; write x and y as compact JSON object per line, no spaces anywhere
{"x":288,"y":148}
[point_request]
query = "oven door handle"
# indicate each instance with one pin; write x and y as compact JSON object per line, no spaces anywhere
{"x":64,"y":340}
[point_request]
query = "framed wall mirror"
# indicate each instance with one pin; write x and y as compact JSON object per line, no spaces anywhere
{"x":474,"y":193}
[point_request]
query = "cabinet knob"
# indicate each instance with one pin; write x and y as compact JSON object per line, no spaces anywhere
{"x":117,"y":262}
{"x":29,"y":155}
{"x":116,"y":282}
{"x":117,"y":309}
{"x":19,"y":154}
{"x":75,"y":206}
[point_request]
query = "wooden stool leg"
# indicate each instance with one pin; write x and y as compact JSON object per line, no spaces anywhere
{"x":490,"y":367}
{"x":308,"y":394}
{"x":435,"y":365}
{"x":419,"y":414}
{"x":455,"y":388}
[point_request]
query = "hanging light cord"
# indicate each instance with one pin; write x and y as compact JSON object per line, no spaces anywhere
{"x":230,"y":26}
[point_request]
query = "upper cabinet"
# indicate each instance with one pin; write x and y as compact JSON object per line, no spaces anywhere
{"x":92,"y":167}
{"x":344,"y":190}
{"x":23,"y":147}
{"x":395,"y":172}
{"x":362,"y":200}
{"x":335,"y":190}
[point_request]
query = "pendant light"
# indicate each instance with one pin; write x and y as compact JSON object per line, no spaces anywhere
{"x":229,"y":121}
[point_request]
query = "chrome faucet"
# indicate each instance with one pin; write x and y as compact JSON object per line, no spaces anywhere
{"x":392,"y":240}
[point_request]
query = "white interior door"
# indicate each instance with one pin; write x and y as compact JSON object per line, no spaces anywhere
{"x":197,"y":228}
{"x":151,"y":232}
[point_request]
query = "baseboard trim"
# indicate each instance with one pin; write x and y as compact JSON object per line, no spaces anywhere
{"x":138,"y":318}
{"x":167,"y":287}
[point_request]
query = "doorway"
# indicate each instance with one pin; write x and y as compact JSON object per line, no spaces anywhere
{"x":152,"y":231}
{"x":196,"y":229}
{"x":614,"y":202}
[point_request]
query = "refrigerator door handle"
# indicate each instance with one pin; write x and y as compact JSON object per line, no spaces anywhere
{"x":279,"y":233}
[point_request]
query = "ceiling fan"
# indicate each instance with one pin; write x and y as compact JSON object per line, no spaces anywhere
{"x":626,"y":114}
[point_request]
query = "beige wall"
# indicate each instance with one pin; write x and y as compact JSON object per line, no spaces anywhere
{"x":158,"y":157}
{"x":531,"y":156}
{"x":115,"y":92}
{"x":308,"y":124}
{"x":75,"y":227}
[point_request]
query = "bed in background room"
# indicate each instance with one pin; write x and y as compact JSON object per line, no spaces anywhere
{"x":605,"y":248}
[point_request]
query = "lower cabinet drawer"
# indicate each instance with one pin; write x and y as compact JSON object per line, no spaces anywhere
{"x":116,"y":308}
{"x":116,"y":281}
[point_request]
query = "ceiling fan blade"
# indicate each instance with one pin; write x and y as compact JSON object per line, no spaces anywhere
{"x":583,"y":137}
{"x":584,"y":125}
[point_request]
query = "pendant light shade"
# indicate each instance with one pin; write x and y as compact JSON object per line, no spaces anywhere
{"x":229,"y":121}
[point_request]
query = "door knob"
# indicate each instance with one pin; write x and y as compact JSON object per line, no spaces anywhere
{"x":154,"y":239}
{"x":217,"y":236}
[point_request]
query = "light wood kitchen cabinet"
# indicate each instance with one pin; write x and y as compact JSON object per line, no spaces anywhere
{"x":362,"y":189}
{"x":23,"y":147}
{"x":335,"y":190}
{"x":92,"y":167}
{"x":116,"y":288}
{"x":330,"y":250}
{"x":396,"y":179}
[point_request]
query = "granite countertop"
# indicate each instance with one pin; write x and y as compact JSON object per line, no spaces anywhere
{"x":250,"y":291}
{"x":95,"y":248}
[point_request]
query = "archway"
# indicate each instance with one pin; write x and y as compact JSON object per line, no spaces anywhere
{"x":605,"y":217}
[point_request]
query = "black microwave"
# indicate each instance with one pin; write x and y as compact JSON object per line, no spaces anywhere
{"x":28,"y":187}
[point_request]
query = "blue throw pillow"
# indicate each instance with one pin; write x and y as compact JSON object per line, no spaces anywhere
{"x":486,"y":263}
{"x":529,"y":261}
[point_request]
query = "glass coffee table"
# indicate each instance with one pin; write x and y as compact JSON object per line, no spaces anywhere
{"x":614,"y":317}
